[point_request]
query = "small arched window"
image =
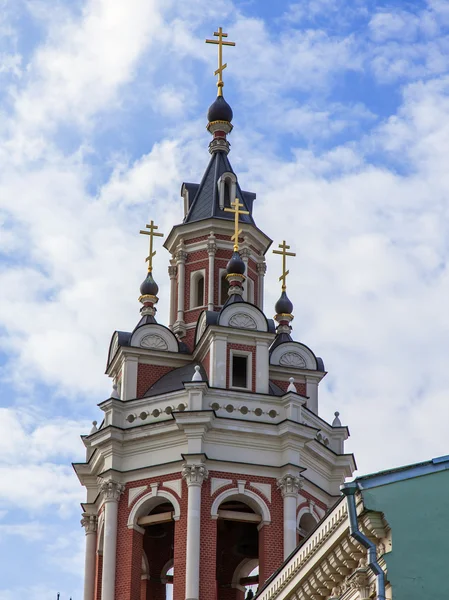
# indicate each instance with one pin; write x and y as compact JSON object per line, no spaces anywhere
{"x":227,"y":188}
{"x":199,"y":292}
{"x":224,"y":287}
{"x":306,"y":524}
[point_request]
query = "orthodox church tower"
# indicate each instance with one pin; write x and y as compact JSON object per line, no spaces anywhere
{"x":211,"y":460}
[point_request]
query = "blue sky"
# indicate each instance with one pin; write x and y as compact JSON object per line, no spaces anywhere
{"x":341,"y":128}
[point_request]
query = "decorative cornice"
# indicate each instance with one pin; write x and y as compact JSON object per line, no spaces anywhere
{"x":194,"y":474}
{"x":289,"y":485}
{"x":89,"y":522}
{"x":110,"y":490}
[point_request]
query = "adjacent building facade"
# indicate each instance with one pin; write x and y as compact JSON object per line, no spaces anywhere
{"x":211,"y":461}
{"x":402,"y":515}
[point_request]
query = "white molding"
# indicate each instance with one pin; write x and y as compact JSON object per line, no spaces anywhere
{"x":134,"y":492}
{"x":217,"y":483}
{"x":175,"y":485}
{"x":248,"y":497}
{"x":252,"y":311}
{"x":263,"y":488}
{"x":291,"y":351}
{"x":225,"y":178}
{"x":147,"y":331}
{"x":148,"y":502}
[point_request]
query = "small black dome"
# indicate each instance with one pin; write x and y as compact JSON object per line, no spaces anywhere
{"x":235,"y":265}
{"x":149,"y":287}
{"x":283,"y":306}
{"x":219,"y":111}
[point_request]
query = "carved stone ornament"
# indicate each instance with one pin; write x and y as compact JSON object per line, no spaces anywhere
{"x":289,"y":485}
{"x":89,"y":522}
{"x":194,"y":474}
{"x":292,"y":359}
{"x":202,"y":328}
{"x":242,"y":321}
{"x":172,"y":271}
{"x":111,"y":490}
{"x":155,"y":342}
{"x":261,"y":268}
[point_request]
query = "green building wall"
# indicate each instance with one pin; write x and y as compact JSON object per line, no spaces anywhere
{"x":417,"y":510}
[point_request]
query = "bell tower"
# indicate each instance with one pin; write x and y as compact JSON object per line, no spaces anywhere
{"x":211,"y":461}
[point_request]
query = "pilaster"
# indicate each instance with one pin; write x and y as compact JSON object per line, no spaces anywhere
{"x":289,"y":486}
{"x":89,"y":522}
{"x":110,"y":491}
{"x":211,"y":250}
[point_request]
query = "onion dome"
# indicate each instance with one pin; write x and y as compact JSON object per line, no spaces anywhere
{"x":219,"y":110}
{"x":149,"y":287}
{"x":235,"y":266}
{"x":284,"y":306}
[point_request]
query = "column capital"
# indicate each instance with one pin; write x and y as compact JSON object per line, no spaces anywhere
{"x":194,"y":474}
{"x":211,"y":244}
{"x":110,"y":490}
{"x":245,"y":253}
{"x":89,"y":522}
{"x":261,"y":268}
{"x":181,"y":255}
{"x":172,"y":271}
{"x":289,"y":485}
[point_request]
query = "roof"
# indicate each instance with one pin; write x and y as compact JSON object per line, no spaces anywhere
{"x":205,"y":203}
{"x":428,"y":467}
{"x":174,"y":380}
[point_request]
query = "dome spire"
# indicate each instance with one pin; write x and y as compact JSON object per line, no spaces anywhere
{"x":219,"y":115}
{"x":284,"y":307}
{"x":149,"y":288}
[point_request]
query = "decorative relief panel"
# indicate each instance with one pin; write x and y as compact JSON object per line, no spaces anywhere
{"x":292,"y":359}
{"x":242,"y":321}
{"x":156,"y":342}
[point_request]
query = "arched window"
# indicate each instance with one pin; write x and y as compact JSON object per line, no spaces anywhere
{"x":306,"y":524}
{"x":224,"y":287}
{"x":199,"y":292}
{"x":227,"y":187}
{"x":197,"y":279}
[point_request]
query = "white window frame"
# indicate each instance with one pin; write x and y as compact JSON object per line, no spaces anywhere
{"x":194,"y":276}
{"x":249,"y":369}
{"x":249,"y":288}
{"x":232,"y":182}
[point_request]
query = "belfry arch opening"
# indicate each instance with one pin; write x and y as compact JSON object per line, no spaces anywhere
{"x":307,"y":524}
{"x":158,"y":550}
{"x":237,"y":568}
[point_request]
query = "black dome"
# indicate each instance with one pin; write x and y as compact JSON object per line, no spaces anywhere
{"x":149,"y":287}
{"x":219,"y":111}
{"x":283,"y":306}
{"x":235,"y":265}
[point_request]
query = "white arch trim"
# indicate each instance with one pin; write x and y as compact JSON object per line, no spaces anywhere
{"x":145,"y":567}
{"x":305,"y":510}
{"x":150,"y":500}
{"x":243,"y":569}
{"x":247,"y":497}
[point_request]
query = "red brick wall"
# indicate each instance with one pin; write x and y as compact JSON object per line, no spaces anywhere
{"x":208,"y":547}
{"x":147,"y":375}
{"x":245,"y":348}
{"x":180,"y":548}
{"x":300,"y":386}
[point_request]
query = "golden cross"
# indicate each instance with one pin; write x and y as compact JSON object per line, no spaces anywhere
{"x":152,"y":233}
{"x":221,"y":66}
{"x":283,"y":252}
{"x":236,"y":210}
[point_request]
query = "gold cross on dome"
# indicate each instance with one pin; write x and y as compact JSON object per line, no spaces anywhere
{"x":152,"y":233}
{"x":221,"y":66}
{"x":283,"y":252}
{"x":237,"y":205}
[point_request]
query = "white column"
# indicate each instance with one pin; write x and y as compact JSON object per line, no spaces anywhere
{"x":111,"y":491}
{"x":211,"y":249}
{"x":128,"y":390}
{"x":181,"y":256}
{"x":312,"y":393}
{"x":261,"y":270}
{"x":194,"y":476}
{"x":289,"y":486}
{"x":172,"y":270}
{"x":89,"y":522}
